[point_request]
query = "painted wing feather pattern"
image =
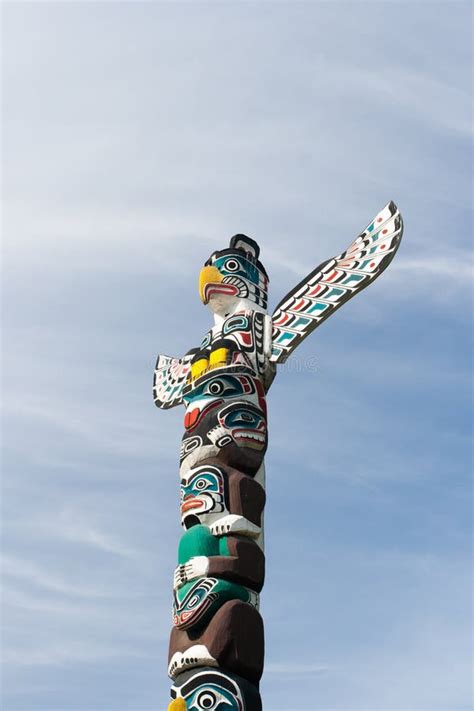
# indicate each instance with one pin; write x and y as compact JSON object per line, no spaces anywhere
{"x":169,"y":380}
{"x":334,"y":282}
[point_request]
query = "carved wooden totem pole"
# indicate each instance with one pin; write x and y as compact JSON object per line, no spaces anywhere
{"x":217,"y":647}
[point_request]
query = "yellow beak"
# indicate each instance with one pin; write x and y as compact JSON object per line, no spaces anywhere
{"x":208,"y":275}
{"x":177,"y":705}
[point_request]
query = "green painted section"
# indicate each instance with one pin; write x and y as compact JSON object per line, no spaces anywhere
{"x":224,"y":591}
{"x":196,"y":602}
{"x":200,"y":541}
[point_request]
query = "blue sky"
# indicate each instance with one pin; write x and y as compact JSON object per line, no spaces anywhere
{"x":137,"y":137}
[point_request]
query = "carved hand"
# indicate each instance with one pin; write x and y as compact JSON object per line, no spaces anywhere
{"x":196,"y":567}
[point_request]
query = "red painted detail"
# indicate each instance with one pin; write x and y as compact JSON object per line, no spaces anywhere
{"x":283,"y":318}
{"x":314,"y":290}
{"x":191,"y":418}
{"x":332,"y":275}
{"x":246,"y":337}
{"x":190,"y":502}
{"x":219,"y":288}
{"x":246,"y":384}
{"x":384,"y":232}
{"x":194,"y":416}
{"x":301,"y":304}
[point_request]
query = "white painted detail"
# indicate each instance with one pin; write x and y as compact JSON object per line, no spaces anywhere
{"x":232,"y":523}
{"x":196,"y":656}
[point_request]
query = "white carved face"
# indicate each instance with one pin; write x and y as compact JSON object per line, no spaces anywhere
{"x":203,"y":495}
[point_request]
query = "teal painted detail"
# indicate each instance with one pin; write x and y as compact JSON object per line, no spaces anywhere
{"x":285,"y":336}
{"x":222,"y":698}
{"x":334,"y":292}
{"x":200,"y":541}
{"x":317,"y":307}
{"x":365,"y":263}
{"x":235,"y":323}
{"x":301,"y":323}
{"x":195,"y":603}
{"x":353,"y":278}
{"x":224,"y":386}
{"x":237,"y":265}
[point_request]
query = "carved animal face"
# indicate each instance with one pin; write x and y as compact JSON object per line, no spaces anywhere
{"x":232,"y":274}
{"x":235,"y":433}
{"x":221,"y":386}
{"x":209,"y":690}
{"x":203,"y":491}
{"x":244,"y":423}
{"x":222,"y":498}
{"x":193,"y":601}
{"x":196,"y":602}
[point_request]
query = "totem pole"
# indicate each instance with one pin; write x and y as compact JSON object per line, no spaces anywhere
{"x":217,"y":647}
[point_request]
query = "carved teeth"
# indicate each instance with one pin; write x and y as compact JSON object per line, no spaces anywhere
{"x":201,"y":657}
{"x":249,"y":435}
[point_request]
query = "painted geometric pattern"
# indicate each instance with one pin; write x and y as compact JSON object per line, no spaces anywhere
{"x":245,"y":328}
{"x":169,"y":379}
{"x":333,"y":283}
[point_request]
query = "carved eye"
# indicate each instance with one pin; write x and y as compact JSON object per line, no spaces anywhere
{"x":244,"y":417}
{"x":206,"y":700}
{"x":213,"y":697}
{"x":201,"y":484}
{"x":195,"y":600}
{"x":232,"y":265}
{"x":223,"y":387}
{"x":216,"y":387}
{"x":209,"y":700}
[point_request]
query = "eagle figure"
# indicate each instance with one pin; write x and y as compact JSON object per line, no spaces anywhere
{"x":234,"y":284}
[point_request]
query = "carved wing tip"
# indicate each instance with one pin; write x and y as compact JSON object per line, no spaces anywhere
{"x":394,"y":210}
{"x":162,"y":361}
{"x":398,"y":219}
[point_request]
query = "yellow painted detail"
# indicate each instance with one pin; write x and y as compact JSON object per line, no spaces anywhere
{"x":177,"y":705}
{"x":208,"y":275}
{"x":199,"y":367}
{"x":218,"y":358}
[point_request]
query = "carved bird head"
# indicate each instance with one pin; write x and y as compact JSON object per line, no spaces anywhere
{"x":234,"y":275}
{"x":211,"y":690}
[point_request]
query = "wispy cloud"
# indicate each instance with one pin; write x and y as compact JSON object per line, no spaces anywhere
{"x":415,"y":94}
{"x":125,"y":165}
{"x":292,"y":668}
{"x":31,"y":574}
{"x":60,"y":654}
{"x":72,"y":526}
{"x":457,"y":266}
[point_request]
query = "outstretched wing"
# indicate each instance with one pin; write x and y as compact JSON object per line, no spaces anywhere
{"x":169,"y":380}
{"x":334,"y":282}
